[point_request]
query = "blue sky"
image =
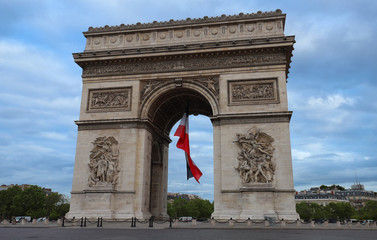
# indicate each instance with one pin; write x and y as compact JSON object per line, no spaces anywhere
{"x":332,"y":87}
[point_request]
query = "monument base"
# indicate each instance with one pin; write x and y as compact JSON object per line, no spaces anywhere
{"x":254,"y":202}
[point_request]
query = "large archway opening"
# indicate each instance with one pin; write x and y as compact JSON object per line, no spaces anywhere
{"x":201,"y":146}
{"x":168,"y":166}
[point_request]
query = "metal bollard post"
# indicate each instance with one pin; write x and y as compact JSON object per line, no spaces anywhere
{"x":170,"y":222}
{"x":101,"y":222}
{"x":63,"y":222}
{"x":82,"y":222}
{"x":151,"y":221}
{"x":85,"y":222}
{"x":98,"y":222}
{"x":249,"y":222}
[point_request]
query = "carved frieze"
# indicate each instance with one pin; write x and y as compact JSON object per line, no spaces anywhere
{"x":104,"y":160}
{"x":255,"y":158}
{"x":115,"y":99}
{"x":255,"y":91}
{"x":182,"y":64}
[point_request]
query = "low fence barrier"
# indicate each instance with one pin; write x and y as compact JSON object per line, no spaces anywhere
{"x":209,"y":223}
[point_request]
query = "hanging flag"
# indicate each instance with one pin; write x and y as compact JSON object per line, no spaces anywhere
{"x":183,"y":143}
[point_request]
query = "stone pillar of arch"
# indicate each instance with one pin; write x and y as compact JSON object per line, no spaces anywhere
{"x":137,"y":81}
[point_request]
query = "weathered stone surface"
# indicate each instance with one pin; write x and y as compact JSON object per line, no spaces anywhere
{"x":137,"y":80}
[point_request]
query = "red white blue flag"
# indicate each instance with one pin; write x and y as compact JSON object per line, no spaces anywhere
{"x":183,"y":143}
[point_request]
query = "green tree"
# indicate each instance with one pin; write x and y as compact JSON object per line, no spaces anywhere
{"x":33,"y":201}
{"x":339,"y":211}
{"x":370,"y":210}
{"x":11,"y":202}
{"x":304,"y":210}
{"x":332,"y":187}
{"x":197,"y":208}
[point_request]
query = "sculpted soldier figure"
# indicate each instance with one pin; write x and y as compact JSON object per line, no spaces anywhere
{"x":255,"y":158}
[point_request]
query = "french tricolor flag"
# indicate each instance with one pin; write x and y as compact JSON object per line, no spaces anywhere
{"x":183,"y":143}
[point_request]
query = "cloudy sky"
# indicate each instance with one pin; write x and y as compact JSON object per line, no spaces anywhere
{"x":332,"y":87}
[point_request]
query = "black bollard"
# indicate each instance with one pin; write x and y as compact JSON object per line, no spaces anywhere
{"x":170,"y":222}
{"x":63,"y":222}
{"x":98,"y":222}
{"x":84,"y":222}
{"x":101,"y":222}
{"x":151,"y":221}
{"x":81,"y":222}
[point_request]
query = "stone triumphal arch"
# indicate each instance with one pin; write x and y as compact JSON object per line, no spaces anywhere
{"x":137,"y":81}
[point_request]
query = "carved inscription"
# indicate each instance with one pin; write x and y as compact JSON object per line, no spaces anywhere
{"x":255,"y":164}
{"x":182,"y":65}
{"x":104,"y":159}
{"x":253,"y":91}
{"x":109,"y":99}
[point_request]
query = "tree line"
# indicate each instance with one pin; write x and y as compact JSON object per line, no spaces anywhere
{"x":197,"y":208}
{"x":32,"y":201}
{"x":336,"y":211}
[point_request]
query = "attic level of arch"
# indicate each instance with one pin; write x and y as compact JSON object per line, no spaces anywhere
{"x":188,"y":21}
{"x":184,"y":47}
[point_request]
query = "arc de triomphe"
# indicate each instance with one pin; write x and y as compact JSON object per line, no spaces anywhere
{"x":137,"y":80}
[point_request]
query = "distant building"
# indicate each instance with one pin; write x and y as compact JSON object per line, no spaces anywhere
{"x":47,"y":191}
{"x":172,"y":196}
{"x":357,"y":196}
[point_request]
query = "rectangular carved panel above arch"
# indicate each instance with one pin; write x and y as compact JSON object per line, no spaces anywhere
{"x":109,"y":99}
{"x":253,"y":91}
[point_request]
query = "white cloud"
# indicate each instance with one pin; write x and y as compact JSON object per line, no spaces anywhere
{"x":300,"y":155}
{"x":331,"y":102}
{"x":54,"y":136}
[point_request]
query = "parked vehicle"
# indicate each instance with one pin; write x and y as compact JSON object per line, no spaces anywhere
{"x":41,"y":219}
{"x":185,"y":219}
{"x":19,"y":218}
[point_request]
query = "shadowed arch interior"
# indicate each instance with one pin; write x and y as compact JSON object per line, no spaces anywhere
{"x":170,"y":106}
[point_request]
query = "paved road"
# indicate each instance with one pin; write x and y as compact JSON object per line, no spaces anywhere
{"x":182,"y":234}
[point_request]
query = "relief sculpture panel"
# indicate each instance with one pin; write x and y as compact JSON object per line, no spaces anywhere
{"x":260,"y":91}
{"x":255,"y":158}
{"x":104,"y":160}
{"x":102,"y":100}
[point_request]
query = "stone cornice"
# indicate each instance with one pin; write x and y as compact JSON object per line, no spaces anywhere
{"x":258,"y":189}
{"x":196,"y":60}
{"x":124,"y":123}
{"x":252,"y":118}
{"x":188,"y":21}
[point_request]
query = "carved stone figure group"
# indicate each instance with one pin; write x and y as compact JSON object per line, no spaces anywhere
{"x":109,"y":99}
{"x":253,"y":92}
{"x":255,"y":162}
{"x":104,"y":161}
